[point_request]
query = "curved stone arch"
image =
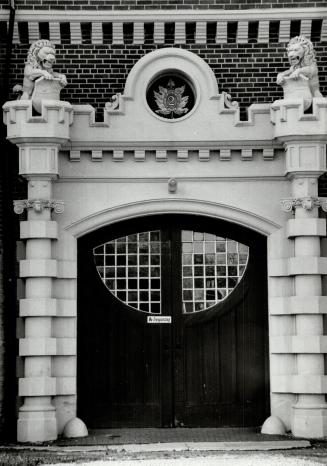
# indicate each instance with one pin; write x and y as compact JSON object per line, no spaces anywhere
{"x":179,"y":60}
{"x":170,"y":206}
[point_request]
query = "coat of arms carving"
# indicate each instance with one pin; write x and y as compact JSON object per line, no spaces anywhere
{"x":170,"y":100}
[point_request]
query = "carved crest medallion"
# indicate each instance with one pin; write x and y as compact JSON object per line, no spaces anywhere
{"x":170,"y":100}
{"x":171,"y":96}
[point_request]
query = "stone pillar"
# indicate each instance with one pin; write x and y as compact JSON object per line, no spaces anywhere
{"x":38,"y":139}
{"x":305,"y":162}
{"x":304,"y":343}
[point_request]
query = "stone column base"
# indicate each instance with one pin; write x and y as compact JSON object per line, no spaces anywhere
{"x":310,"y":422}
{"x":37,"y":426}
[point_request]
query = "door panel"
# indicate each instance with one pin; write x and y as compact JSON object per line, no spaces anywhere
{"x":207,"y":368}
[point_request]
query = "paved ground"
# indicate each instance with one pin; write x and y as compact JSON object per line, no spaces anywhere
{"x":159,"y":435}
{"x":170,"y":447}
{"x":253,"y":460}
{"x":307,"y":457}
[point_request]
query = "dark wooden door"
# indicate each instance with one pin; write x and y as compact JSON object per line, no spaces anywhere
{"x":208,"y":367}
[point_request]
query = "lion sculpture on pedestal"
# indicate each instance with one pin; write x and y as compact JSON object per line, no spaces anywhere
{"x":303,"y":63}
{"x":40,"y":59}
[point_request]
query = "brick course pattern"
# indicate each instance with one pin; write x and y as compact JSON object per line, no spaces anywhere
{"x":164,"y":4}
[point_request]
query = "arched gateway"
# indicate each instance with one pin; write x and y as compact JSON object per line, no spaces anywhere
{"x":172,"y":324}
{"x":157,"y":266}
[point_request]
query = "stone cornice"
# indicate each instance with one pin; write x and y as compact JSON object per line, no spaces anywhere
{"x":150,"y":15}
{"x":95,"y":19}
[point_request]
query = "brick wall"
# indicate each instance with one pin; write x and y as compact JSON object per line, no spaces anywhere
{"x":96,"y":72}
{"x":165,"y":4}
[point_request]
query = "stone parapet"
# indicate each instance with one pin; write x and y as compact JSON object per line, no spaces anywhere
{"x":52,"y":126}
{"x":290,"y":120}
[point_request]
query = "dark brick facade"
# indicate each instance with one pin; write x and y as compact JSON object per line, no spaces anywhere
{"x":96,"y":72}
{"x":165,"y":4}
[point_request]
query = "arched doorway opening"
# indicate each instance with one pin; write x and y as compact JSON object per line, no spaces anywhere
{"x":172,"y":324}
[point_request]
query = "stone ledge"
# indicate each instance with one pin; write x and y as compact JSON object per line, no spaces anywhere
{"x":306,"y":227}
{"x":66,"y":346}
{"x":37,"y":346}
{"x":38,"y":229}
{"x":302,"y":384}
{"x":35,"y":307}
{"x":300,"y":265}
{"x":38,"y":268}
{"x":65,"y":385}
{"x":30,"y":268}
{"x":307,"y":265}
{"x":67,"y":269}
{"x":37,"y":386}
{"x":47,"y":346}
{"x":288,"y":305}
{"x":298,"y":344}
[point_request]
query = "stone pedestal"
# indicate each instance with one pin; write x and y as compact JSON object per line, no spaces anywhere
{"x":303,"y":343}
{"x":38,"y":139}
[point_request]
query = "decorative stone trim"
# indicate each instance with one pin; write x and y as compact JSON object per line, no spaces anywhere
{"x":38,"y":229}
{"x":47,"y":307}
{"x":181,"y":155}
{"x":66,"y":269}
{"x":306,"y":227}
{"x":300,"y":265}
{"x":37,"y":386}
{"x":159,"y":17}
{"x":37,"y":307}
{"x":38,"y":205}
{"x":293,"y":305}
{"x":298,"y":344}
{"x":37,"y":346}
{"x":38,"y":268}
{"x":306,"y":203}
{"x":47,"y":346}
{"x":289,"y":383}
{"x":65,"y":385}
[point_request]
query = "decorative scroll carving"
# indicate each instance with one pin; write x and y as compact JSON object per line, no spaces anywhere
{"x":301,"y":79}
{"x":38,"y":205}
{"x":229,"y":103}
{"x":114,"y":102}
{"x":306,"y":203}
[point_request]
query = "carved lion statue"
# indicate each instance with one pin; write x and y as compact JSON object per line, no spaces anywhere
{"x":302,"y":59}
{"x":40,"y":59}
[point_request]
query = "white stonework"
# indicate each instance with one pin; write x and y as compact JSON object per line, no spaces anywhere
{"x":204,"y":153}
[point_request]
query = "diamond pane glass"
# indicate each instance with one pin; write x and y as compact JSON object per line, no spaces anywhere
{"x":212,"y":268}
{"x":130,"y":268}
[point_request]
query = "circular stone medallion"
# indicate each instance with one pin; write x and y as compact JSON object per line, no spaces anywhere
{"x":170,"y":96}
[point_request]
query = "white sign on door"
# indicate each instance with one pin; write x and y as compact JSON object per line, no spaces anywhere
{"x":159,"y":319}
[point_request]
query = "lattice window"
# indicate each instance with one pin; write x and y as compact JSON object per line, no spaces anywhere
{"x":212,"y":268}
{"x":130,"y":268}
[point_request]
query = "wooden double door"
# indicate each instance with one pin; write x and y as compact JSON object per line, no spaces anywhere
{"x":166,"y":338}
